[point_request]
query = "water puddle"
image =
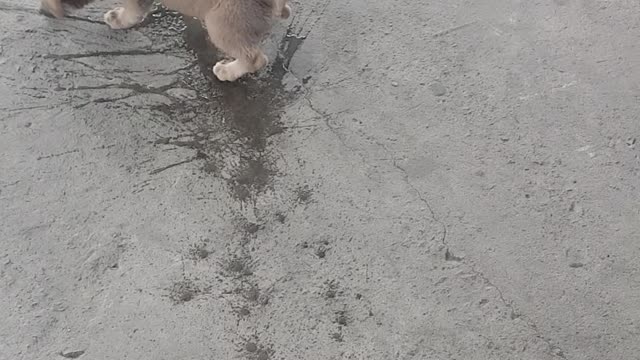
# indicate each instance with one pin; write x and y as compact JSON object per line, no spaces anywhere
{"x":230,"y":124}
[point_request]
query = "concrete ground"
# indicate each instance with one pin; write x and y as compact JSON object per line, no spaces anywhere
{"x":408,"y":180}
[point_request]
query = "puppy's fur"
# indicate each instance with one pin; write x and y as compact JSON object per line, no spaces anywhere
{"x":236,"y":27}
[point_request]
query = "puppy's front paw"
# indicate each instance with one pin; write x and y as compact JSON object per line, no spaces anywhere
{"x":225,"y":71}
{"x":120,"y":18}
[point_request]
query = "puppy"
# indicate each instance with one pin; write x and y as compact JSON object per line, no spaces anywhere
{"x":236,"y":27}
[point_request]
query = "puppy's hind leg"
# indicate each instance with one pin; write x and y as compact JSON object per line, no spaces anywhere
{"x":132,"y":13}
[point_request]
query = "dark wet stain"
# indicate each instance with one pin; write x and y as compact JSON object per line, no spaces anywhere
{"x":243,"y":311}
{"x":252,"y":228}
{"x":331,"y":290}
{"x":252,"y":176}
{"x":322,"y":249}
{"x":164,"y":24}
{"x":199,"y":251}
{"x":289,"y":45}
{"x":263,"y":355}
{"x":210,"y":168}
{"x":251,"y":347}
{"x":252,"y":293}
{"x":231,"y":123}
{"x":337,"y":336}
{"x":330,"y":294}
{"x":341,"y":318}
{"x":239,"y":267}
{"x":247,"y":231}
{"x":183,"y":291}
{"x":281,"y":218}
{"x":304,"y":194}
{"x":232,"y":126}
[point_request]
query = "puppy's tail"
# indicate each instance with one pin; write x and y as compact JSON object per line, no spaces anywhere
{"x":281,"y":9}
{"x":56,"y":7}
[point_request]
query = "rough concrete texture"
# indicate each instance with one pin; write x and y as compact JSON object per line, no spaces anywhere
{"x":408,"y":180}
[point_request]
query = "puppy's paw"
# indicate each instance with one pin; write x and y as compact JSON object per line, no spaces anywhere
{"x":286,"y":12}
{"x":261,"y":61}
{"x":225,"y":71}
{"x":120,"y":18}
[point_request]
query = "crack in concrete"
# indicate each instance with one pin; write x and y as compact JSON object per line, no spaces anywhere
{"x":198,"y":156}
{"x":139,"y":88}
{"x":23,"y":108}
{"x":454,"y":29}
{"x":554,"y":350}
{"x":106,"y":100}
{"x":326,"y":117}
{"x":422,"y":198}
{"x":303,"y":23}
{"x":58,"y":154}
{"x":127,"y":71}
{"x":136,"y":89}
{"x":133,"y":52}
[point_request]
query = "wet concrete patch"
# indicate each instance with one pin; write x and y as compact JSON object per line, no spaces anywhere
{"x":230,"y":124}
{"x":228,"y":127}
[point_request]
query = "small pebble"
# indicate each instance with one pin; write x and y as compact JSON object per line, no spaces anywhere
{"x":438,"y":89}
{"x":72,"y":354}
